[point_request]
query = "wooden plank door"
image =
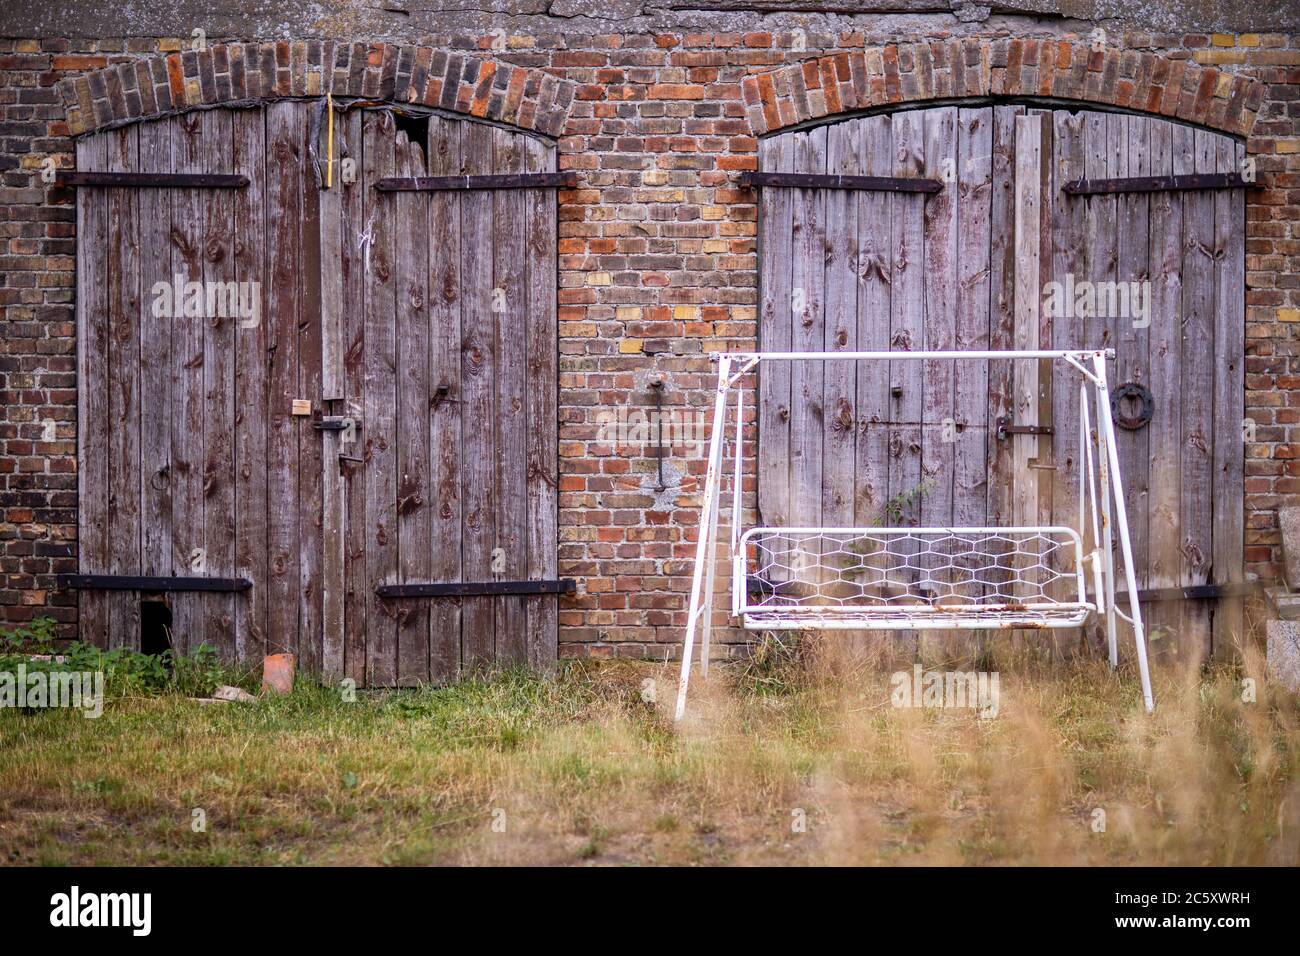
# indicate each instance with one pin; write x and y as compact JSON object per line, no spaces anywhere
{"x":456,"y":343}
{"x":898,"y":443}
{"x":197,"y":330}
{"x":1179,"y":333}
{"x":157,"y":363}
{"x":971,"y":267}
{"x":426,"y":319}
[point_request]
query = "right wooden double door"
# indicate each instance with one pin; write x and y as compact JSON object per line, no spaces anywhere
{"x":1000,"y":258}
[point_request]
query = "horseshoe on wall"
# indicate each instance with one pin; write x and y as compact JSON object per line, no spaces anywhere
{"x":1146,"y":404}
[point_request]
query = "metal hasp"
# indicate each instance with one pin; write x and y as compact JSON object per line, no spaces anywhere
{"x":1003,"y":428}
{"x":1155,"y":184}
{"x":153,"y":180}
{"x":477,"y":588}
{"x":396,"y":184}
{"x":126,"y":582}
{"x":334,"y":423}
{"x":890,"y":184}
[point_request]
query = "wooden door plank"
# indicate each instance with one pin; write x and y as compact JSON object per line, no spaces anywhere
{"x":971,"y":385}
{"x":189,"y":554}
{"x":1131,"y":340}
{"x":445,"y":153}
{"x":906,"y":334}
{"x":938,"y":378}
{"x":807,"y":284}
{"x":775,"y":212}
{"x":284,"y":141}
{"x":1228,"y":481}
{"x":379,"y":435}
{"x":311,"y":521}
{"x":155,"y":354}
{"x":1046,"y":367}
{"x":123,"y":360}
{"x":332,"y":301}
{"x":938,"y":414}
{"x":542,"y":408}
{"x":1002,"y":267}
{"x":1079,"y":147}
{"x":509,"y":300}
{"x":333,"y":394}
{"x":92,"y":390}
{"x":874,"y":141}
{"x":1104,"y":148}
{"x":1164,"y":343}
{"x":1030,"y":175}
{"x":1196,"y":388}
{"x":358,"y":594}
{"x":332,"y":483}
{"x":218,"y":487}
{"x":414,"y":496}
{"x":875,"y":277}
{"x":478,"y":403}
{"x":251,"y":405}
{"x":839,"y":401}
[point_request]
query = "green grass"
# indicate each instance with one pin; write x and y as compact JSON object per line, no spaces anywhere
{"x":581,"y":770}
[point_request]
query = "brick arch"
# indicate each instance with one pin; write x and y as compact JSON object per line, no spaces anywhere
{"x":237,"y":73}
{"x":899,"y":73}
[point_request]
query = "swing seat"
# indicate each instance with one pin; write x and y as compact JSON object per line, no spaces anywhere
{"x":911,"y":578}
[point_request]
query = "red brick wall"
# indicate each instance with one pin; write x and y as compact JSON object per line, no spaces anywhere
{"x":657,"y":250}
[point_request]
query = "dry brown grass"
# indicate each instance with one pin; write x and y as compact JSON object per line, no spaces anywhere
{"x":582,"y":770}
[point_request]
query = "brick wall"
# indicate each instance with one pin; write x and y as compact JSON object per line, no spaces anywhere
{"x":657,"y":250}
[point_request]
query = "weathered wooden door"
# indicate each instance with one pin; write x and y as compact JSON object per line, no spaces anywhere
{"x":299,"y":390}
{"x":451,"y":371}
{"x":1001,"y":258}
{"x":183,"y":335}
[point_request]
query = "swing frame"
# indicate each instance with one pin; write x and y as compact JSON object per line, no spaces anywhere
{"x":1099,"y":476}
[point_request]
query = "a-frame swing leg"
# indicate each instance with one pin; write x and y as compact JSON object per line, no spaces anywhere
{"x":701,"y":605}
{"x":1107,"y":530}
{"x":1106,"y":426}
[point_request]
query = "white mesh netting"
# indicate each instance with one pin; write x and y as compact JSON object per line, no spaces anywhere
{"x":890,"y":578}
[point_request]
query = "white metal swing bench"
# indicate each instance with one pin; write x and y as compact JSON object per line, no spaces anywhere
{"x":906,"y":578}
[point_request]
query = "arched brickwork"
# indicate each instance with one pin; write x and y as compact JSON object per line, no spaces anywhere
{"x":228,"y":73}
{"x":915,"y":72}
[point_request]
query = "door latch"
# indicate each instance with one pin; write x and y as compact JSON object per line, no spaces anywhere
{"x":335,"y":423}
{"x":1003,"y":428}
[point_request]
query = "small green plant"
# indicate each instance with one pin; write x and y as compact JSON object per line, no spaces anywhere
{"x":37,"y":637}
{"x":892,"y":514}
{"x":897,"y":506}
{"x":127,"y":673}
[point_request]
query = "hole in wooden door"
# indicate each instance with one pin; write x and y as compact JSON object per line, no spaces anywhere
{"x":155,"y":626}
{"x":416,"y":128}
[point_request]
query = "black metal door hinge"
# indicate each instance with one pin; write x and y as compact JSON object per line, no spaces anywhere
{"x":476,"y":588}
{"x":129,"y":582}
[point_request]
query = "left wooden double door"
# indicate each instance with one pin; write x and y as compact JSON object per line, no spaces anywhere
{"x":319,"y":388}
